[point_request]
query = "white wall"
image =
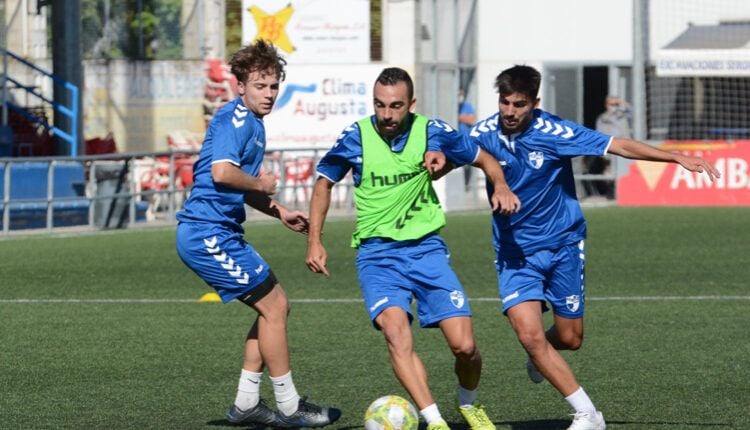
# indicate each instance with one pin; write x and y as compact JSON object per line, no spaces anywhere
{"x":141,"y":102}
{"x":554,"y":30}
{"x":548,"y":31}
{"x":399,"y":34}
{"x":26,"y":32}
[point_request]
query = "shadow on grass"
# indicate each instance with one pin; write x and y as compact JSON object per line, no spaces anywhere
{"x":557,"y":424}
{"x":675,"y":424}
{"x":551,"y":424}
{"x":225,"y":423}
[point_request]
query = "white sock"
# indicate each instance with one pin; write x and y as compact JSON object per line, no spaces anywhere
{"x":466,"y":397}
{"x":287,"y":399}
{"x":248,"y":391}
{"x":431,"y":414}
{"x":580,"y":401}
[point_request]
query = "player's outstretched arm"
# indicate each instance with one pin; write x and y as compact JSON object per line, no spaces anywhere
{"x":640,"y":151}
{"x":319,"y":203}
{"x":502,"y":199}
{"x":295,"y":220}
{"x":231,"y":176}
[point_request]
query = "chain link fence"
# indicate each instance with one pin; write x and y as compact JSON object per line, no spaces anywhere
{"x":698,"y":84}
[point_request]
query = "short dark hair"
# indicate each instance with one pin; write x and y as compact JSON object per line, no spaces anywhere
{"x":259,"y":56}
{"x":393,"y":75}
{"x":519,"y":79}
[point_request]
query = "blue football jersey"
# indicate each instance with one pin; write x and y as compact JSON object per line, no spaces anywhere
{"x":234,"y":135}
{"x":346,"y":154}
{"x":537,"y":166}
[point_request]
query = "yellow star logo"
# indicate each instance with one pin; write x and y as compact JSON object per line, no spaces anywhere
{"x":651,"y":172}
{"x":271,"y":27}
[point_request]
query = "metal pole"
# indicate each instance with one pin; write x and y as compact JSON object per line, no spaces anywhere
{"x":105,"y":28}
{"x":6,"y":198}
{"x":131,"y":191}
{"x":5,"y":88}
{"x":171,"y":201}
{"x":457,"y":70}
{"x":50,"y":193}
{"x":433,"y":67}
{"x":93,"y":190}
{"x":24,"y":28}
{"x":66,"y":66}
{"x":640,"y":62}
{"x":140,"y":30}
{"x":201,"y":29}
{"x":74,"y":132}
{"x":282,"y":178}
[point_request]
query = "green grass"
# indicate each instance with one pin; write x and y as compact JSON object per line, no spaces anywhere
{"x":79,"y":351}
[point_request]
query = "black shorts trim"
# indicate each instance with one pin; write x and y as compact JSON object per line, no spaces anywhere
{"x":261,"y":290}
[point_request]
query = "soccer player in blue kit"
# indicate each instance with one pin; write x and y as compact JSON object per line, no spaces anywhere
{"x":540,"y":250}
{"x":210,"y":239}
{"x":400,"y":253}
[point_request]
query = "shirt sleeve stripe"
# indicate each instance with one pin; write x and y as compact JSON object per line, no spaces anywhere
{"x":226,"y":160}
{"x":324,"y":176}
{"x":476,"y":155}
{"x":608,"y":143}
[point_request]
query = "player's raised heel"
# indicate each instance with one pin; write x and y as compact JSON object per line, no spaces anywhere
{"x":260,"y":414}
{"x":588,"y":421}
{"x":309,"y":415}
{"x":476,"y":417}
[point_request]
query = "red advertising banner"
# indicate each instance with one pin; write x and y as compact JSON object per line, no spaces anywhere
{"x":667,"y":184}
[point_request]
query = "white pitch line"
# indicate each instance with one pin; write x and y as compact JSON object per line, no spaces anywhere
{"x":477,"y":299}
{"x":666,"y":298}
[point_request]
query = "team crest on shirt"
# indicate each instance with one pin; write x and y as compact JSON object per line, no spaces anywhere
{"x":573,"y":302}
{"x":457,"y":298}
{"x":536,"y":159}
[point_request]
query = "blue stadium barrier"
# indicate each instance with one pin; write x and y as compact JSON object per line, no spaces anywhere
{"x":28,"y":195}
{"x":28,"y":202}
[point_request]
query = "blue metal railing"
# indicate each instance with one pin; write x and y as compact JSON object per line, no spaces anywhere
{"x":71,"y":112}
{"x":33,"y":197}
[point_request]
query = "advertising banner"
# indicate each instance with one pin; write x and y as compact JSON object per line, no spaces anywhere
{"x":317,"y":102}
{"x":702,"y":62}
{"x":311,"y":31}
{"x":668,"y":184}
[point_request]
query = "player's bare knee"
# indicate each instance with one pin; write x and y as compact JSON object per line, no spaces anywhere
{"x":399,"y":348}
{"x":396,"y":335}
{"x":531,"y":341}
{"x":571,"y":341}
{"x":393,"y":332}
{"x":465,"y":349}
{"x":276,"y":316}
{"x":277,"y":309}
{"x":280,"y":300}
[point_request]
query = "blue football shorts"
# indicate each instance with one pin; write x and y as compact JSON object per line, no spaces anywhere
{"x":556,"y":276}
{"x":392,"y":273}
{"x":222,"y":258}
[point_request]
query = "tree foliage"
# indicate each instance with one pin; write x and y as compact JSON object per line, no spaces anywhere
{"x":132,"y":29}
